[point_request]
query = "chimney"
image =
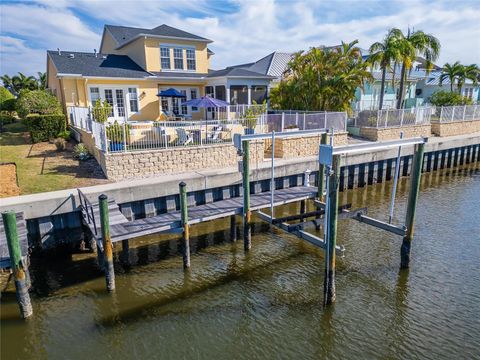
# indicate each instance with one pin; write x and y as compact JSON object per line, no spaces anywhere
{"x":58,"y":50}
{"x":95,"y":52}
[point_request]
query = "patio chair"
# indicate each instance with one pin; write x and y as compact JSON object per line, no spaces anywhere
{"x":214,"y":136}
{"x":183,"y":138}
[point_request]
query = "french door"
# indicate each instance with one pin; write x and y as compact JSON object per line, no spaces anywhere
{"x":116,"y":99}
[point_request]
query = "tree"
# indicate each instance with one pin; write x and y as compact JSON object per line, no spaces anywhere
{"x":42,"y":80}
{"x":7,"y":100}
{"x":21,"y":82}
{"x":469,"y":72}
{"x":415,"y":44}
{"x":7,"y":81}
{"x":451,"y":72}
{"x":37,"y":102}
{"x":384,"y":54}
{"x":448,"y":98}
{"x":322,"y":79}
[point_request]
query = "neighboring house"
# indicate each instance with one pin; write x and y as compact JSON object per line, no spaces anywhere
{"x":135,"y":64}
{"x":430,"y":83}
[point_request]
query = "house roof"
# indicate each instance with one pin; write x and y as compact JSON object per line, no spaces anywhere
{"x":433,"y":78}
{"x":124,"y":34}
{"x":237,"y":72}
{"x":377,"y":75}
{"x":87,"y":64}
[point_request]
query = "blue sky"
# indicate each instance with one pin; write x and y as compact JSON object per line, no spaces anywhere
{"x":242,"y":31}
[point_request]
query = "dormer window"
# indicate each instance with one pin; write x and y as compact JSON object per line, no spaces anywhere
{"x":191,"y":59}
{"x":178,"y":58}
{"x":165,"y":57}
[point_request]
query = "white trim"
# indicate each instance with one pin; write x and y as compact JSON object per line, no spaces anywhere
{"x":114,"y":87}
{"x":161,"y":37}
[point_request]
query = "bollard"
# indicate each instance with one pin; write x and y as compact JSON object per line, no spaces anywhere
{"x":233,"y":228}
{"x":329,"y":280}
{"x":107,"y":243}
{"x":247,"y":231}
{"x":186,"y":229}
{"x":411,"y":205}
{"x":18,"y":266}
{"x":321,"y":172}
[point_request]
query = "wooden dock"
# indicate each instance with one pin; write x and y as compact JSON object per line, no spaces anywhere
{"x":22,"y":238}
{"x":122,"y":229}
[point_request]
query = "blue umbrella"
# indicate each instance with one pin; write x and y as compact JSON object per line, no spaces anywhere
{"x":206,"y":102}
{"x":173,"y":93}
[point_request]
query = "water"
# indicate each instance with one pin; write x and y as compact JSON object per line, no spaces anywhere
{"x":268,"y":303}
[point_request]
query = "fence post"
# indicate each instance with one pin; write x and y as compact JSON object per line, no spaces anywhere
{"x":185,"y":226}
{"x":283,"y":121}
{"x":18,"y":267}
{"x":453,"y":112}
{"x":107,"y":242}
{"x":304,"y":115}
{"x":386,"y":117}
{"x":441,"y":114}
{"x":464,"y":110}
{"x":325,"y":127}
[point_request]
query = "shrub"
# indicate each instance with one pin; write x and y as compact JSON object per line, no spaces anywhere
{"x":80,"y":152}
{"x":60,"y":144}
{"x":45,"y":127}
{"x":6,"y":119}
{"x":101,"y":110}
{"x":65,"y":135}
{"x":7,"y":100}
{"x":447,"y":98}
{"x":37,"y":102}
{"x":115,"y":132}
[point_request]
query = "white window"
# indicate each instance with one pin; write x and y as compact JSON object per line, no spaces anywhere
{"x":109,"y":99}
{"x":165,"y":57}
{"x":94,"y":95}
{"x":133,"y":99}
{"x":178,"y":58}
{"x":191,"y":59}
{"x":184,"y":108}
{"x":193,"y":95}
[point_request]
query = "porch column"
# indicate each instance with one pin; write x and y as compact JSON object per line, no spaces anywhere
{"x":249,"y":92}
{"x":227,"y":89}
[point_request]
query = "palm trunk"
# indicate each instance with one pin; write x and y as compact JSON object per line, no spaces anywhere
{"x":382,"y":87}
{"x":402,"y":85}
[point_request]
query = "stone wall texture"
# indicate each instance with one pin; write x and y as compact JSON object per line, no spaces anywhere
{"x":455,"y":128}
{"x":393,"y":133}
{"x":307,"y":145}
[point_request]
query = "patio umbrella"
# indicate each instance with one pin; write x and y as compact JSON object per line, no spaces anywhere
{"x":206,"y":102}
{"x":173,"y":93}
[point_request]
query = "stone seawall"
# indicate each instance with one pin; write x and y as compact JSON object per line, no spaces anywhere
{"x":294,"y":147}
{"x":393,"y":133}
{"x":455,"y":128}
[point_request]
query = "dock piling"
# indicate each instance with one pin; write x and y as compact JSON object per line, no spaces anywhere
{"x":125,"y":252}
{"x":185,"y":226}
{"x":107,"y":243}
{"x":331,"y":232}
{"x":233,"y":229}
{"x":18,"y":265}
{"x":411,"y":205}
{"x":247,"y":231}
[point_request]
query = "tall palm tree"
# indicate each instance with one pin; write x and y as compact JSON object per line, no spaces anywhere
{"x":451,"y":71}
{"x":416,"y":43}
{"x":6,"y":80}
{"x":469,"y":72}
{"x":384,"y":54}
{"x":21,"y":81}
{"x":42,"y":80}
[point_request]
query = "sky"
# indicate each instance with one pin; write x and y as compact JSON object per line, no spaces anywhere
{"x":242,"y":30}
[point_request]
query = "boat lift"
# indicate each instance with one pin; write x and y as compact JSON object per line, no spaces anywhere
{"x":329,"y":160}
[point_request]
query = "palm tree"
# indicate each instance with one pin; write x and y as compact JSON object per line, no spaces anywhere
{"x":451,"y":71}
{"x":21,"y":81}
{"x":6,"y":80}
{"x":42,"y":80}
{"x":383,"y":54}
{"x":416,"y":44}
{"x":470,"y":72}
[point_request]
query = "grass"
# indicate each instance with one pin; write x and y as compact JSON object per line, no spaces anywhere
{"x":40,"y":167}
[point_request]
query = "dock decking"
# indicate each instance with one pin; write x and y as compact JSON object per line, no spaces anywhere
{"x":122,"y":229}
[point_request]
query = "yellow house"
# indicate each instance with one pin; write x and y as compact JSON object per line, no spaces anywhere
{"x":133,"y":65}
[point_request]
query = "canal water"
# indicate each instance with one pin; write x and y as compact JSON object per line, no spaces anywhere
{"x":267,"y":304}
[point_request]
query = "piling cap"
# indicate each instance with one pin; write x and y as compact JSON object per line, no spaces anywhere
{"x":102,"y":197}
{"x":182,"y":184}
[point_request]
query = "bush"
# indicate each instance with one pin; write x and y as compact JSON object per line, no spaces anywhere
{"x":101,"y":110}
{"x":115,"y":132}
{"x":60,"y":144}
{"x":45,"y":127}
{"x":80,"y":152}
{"x":37,"y":102}
{"x":65,"y":135}
{"x":447,"y":98}
{"x":6,"y":119}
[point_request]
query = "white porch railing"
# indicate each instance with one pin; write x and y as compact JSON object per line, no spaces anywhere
{"x":372,"y":104}
{"x":458,"y":113}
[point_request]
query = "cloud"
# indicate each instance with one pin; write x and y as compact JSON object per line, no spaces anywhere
{"x":242,"y":31}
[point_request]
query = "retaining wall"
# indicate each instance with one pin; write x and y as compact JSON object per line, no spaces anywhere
{"x":393,"y":133}
{"x":455,"y":128}
{"x":295,"y":147}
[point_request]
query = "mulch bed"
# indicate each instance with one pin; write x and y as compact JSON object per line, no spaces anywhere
{"x":8,"y":180}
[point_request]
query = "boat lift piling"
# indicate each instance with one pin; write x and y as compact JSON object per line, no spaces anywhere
{"x":185,"y":225}
{"x":107,"y":243}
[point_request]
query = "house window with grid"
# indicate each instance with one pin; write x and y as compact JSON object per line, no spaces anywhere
{"x":165,"y":57}
{"x":178,"y":58}
{"x":191,"y":59}
{"x":94,"y":95}
{"x":193,"y":95}
{"x":133,"y":99}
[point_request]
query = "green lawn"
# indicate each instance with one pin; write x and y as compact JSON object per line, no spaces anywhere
{"x":40,"y":167}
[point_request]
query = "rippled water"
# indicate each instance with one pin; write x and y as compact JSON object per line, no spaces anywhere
{"x":268,"y":303}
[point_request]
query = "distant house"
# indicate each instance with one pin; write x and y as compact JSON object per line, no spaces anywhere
{"x":134,"y":64}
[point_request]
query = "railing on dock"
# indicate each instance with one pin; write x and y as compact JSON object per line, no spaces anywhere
{"x":87,"y":210}
{"x":458,"y":113}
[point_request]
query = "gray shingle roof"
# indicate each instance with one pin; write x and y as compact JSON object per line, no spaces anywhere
{"x":237,"y":72}
{"x":87,"y":64}
{"x":377,"y":75}
{"x":125,"y":34}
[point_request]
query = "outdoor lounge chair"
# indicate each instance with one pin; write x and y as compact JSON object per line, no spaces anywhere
{"x":214,"y":136}
{"x":184,"y":138}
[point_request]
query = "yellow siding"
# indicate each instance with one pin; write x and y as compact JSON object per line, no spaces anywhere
{"x":152,"y":49}
{"x":136,"y":51}
{"x":52,"y":82}
{"x":108,"y":44}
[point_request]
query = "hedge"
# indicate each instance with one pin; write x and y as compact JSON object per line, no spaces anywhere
{"x":45,"y":127}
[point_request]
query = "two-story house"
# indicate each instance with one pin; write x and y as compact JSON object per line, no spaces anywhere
{"x":134,"y":65}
